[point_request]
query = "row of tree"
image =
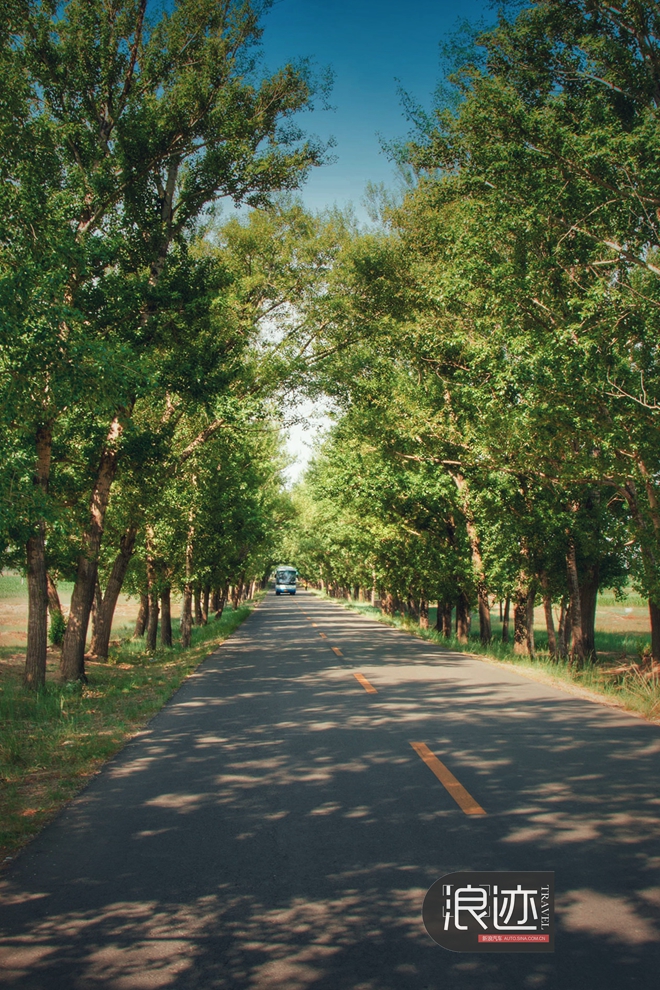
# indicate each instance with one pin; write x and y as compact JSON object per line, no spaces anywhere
{"x":139,"y":349}
{"x":497,"y":433}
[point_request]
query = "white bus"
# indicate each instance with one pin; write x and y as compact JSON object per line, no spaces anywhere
{"x":285,"y":580}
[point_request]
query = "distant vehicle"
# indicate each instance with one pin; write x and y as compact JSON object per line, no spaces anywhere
{"x":285,"y":580}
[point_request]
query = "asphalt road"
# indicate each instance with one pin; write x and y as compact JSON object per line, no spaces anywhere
{"x":273,"y":828}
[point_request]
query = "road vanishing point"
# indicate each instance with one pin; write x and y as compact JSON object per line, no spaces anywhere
{"x":278,"y":823}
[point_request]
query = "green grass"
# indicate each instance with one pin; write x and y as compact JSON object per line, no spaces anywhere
{"x":54,"y":740}
{"x":14,"y":586}
{"x":630,"y":690}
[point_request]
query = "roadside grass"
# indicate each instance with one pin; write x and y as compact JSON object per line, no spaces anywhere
{"x":52,"y":741}
{"x":631,"y":689}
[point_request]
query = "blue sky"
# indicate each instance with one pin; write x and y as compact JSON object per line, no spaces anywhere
{"x":369,"y":44}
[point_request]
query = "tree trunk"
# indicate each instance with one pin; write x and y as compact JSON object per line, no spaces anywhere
{"x":447,"y":610}
{"x":105,"y":614}
{"x":206,"y":592}
{"x":564,"y":634}
{"x":37,"y":634}
{"x":520,"y":637}
{"x":413,"y":608}
{"x":152,"y":591}
{"x":531,"y":601}
{"x":462,"y":618}
{"x":387,"y":604}
{"x":423,"y":613}
{"x":165,"y":617}
{"x":96,"y":608}
{"x":186,"y":615}
{"x":215,"y":600}
{"x":142,"y":617}
{"x":485,"y":633}
{"x":550,"y":624}
{"x":588,"y":603}
{"x":152,"y":625}
{"x":654,"y":613}
{"x":54,"y":604}
{"x":72,"y":665}
{"x":505,"y":619}
{"x":577,"y":643}
{"x":222,"y":598}
{"x":237,"y":593}
{"x":37,"y":578}
{"x":197,"y":597}
{"x":374,"y":590}
{"x":186,"y":607}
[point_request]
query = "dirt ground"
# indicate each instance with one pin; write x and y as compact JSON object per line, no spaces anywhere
{"x":13,"y":616}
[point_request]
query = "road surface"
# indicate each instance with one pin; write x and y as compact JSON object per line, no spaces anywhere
{"x":273,"y":827}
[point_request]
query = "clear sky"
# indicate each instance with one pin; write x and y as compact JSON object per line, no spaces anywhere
{"x":369,"y":44}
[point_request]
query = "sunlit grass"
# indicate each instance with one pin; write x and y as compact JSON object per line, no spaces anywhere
{"x":53,"y":740}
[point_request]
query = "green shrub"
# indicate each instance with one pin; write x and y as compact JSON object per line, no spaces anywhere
{"x":57,"y":628}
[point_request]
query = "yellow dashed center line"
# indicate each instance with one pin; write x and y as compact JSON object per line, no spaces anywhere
{"x":464,"y":800}
{"x":323,"y":635}
{"x":336,"y":650}
{"x":369,"y":688}
{"x":314,"y":624}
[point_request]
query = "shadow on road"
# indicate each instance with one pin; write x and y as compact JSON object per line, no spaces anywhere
{"x":273,"y":828}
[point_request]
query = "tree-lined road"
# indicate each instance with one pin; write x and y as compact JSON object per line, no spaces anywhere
{"x":274,"y":827}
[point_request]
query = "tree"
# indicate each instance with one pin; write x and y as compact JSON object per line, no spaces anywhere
{"x":129,"y":130}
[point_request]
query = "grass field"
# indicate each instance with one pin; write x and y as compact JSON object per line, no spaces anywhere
{"x":53,"y":741}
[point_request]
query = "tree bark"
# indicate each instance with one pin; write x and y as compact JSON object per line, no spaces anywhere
{"x":588,"y":603}
{"x":520,"y":637}
{"x":413,"y":608}
{"x":215,"y":599}
{"x":152,"y":591}
{"x":72,"y":665}
{"x":654,"y":615}
{"x":387,"y":604}
{"x":505,"y":619}
{"x":166,"y":617}
{"x":577,"y":643}
{"x":105,"y":614}
{"x":37,"y":578}
{"x":564,"y":634}
{"x":549,"y":618}
{"x":199,"y":618}
{"x":531,"y":601}
{"x":186,"y":607}
{"x":447,"y":610}
{"x":37,"y":585}
{"x":96,"y":608}
{"x":142,"y":617}
{"x":485,"y":632}
{"x":423,"y":613}
{"x":54,"y":604}
{"x":462,"y":618}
